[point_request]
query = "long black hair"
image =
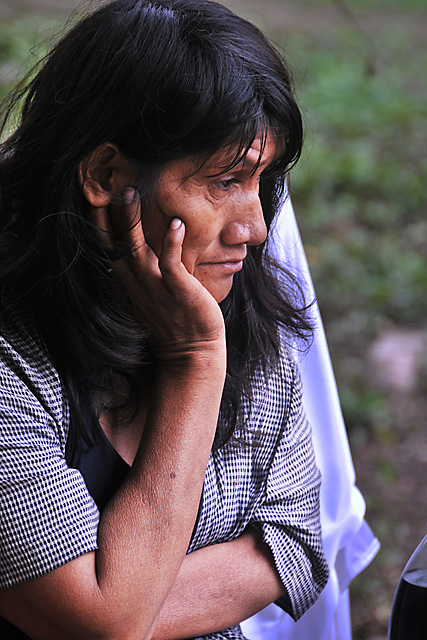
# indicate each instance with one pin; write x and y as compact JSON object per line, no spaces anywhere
{"x":162,"y":80}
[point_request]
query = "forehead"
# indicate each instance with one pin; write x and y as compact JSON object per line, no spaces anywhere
{"x":262,"y":152}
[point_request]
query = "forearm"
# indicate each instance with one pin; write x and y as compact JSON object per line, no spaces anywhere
{"x":152,"y":517}
{"x":145,"y":531}
{"x":219,"y":586}
{"x":118,"y":591}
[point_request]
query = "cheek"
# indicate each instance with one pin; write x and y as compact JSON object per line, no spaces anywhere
{"x":201,"y":226}
{"x":203,"y":219}
{"x":193,"y":247}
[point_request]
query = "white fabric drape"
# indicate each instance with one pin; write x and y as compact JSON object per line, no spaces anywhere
{"x":349,"y":543}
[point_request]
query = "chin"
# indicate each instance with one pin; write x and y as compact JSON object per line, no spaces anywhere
{"x":220,"y":293}
{"x":218,"y":288}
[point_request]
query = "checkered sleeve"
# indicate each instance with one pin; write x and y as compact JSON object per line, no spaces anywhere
{"x":47,"y":516}
{"x":232,"y":633}
{"x":288,"y":515}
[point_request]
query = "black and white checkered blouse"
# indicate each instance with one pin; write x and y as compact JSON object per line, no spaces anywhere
{"x":48,"y":517}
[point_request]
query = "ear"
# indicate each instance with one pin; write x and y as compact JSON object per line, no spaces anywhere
{"x":104,"y":174}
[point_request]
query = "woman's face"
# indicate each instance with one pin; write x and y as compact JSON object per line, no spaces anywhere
{"x":222,"y":214}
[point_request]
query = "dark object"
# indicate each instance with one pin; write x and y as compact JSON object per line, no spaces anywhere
{"x":408,"y":619}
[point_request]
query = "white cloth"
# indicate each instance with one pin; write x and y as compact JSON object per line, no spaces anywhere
{"x":349,"y":543}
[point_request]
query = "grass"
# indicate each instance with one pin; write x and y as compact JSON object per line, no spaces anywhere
{"x":360,"y":193}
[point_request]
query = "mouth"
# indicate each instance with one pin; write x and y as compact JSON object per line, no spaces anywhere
{"x":232,"y":266}
{"x":229,"y":266}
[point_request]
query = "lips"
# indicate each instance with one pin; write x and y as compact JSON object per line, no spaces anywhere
{"x":229,"y":260}
{"x":230,"y":266}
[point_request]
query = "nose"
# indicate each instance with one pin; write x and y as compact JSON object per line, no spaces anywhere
{"x":246,"y":224}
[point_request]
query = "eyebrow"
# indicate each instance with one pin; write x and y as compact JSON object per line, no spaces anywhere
{"x":245,"y":163}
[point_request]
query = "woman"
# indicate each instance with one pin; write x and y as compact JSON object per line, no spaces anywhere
{"x":149,"y":405}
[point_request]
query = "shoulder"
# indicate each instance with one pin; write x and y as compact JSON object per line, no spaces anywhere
{"x":30,"y":387}
{"x":274,"y":410}
{"x":47,"y":516}
{"x":280,"y":383}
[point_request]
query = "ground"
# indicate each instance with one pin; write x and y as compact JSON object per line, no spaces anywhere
{"x":391,"y":472}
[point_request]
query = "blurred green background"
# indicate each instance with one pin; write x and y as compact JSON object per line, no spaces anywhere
{"x":360,"y":69}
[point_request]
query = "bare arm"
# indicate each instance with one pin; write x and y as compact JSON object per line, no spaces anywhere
{"x":218,"y":587}
{"x":118,"y":591}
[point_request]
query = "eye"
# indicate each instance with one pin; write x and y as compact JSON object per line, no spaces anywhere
{"x":226,"y":183}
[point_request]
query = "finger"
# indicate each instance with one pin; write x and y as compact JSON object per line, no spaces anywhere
{"x":122,"y":221}
{"x":100,"y":219}
{"x":125,"y":213}
{"x":139,"y":250}
{"x":131,"y":223}
{"x":170,"y":259}
{"x":113,"y":221}
{"x":138,"y":256}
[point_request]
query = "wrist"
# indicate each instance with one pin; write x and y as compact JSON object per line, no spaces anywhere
{"x":190,"y":355}
{"x":203,"y":363}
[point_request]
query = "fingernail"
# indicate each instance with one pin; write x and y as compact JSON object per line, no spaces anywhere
{"x":175,"y":223}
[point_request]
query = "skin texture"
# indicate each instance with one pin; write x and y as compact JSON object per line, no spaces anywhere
{"x":222,"y":214}
{"x":221,"y":211}
{"x":218,"y":587}
{"x":138,"y":580}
